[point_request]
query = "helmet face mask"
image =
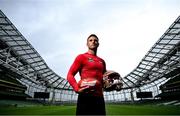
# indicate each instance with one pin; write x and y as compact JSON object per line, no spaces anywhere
{"x":112,"y":81}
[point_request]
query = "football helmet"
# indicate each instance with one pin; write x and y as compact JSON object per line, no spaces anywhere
{"x":112,"y":81}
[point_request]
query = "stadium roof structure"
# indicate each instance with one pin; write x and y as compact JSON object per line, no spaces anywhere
{"x":161,"y":62}
{"x":20,"y":58}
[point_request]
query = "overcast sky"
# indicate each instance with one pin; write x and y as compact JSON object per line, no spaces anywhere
{"x":58,"y":29}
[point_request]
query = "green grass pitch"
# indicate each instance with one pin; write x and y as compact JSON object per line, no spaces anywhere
{"x":110,"y":110}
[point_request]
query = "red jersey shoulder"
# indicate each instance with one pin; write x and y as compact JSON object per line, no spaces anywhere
{"x":100,"y":59}
{"x":80,"y":57}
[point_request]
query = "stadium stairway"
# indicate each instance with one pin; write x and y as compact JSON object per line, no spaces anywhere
{"x":174,"y":102}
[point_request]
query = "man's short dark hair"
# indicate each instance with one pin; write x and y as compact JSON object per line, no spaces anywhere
{"x":93,"y":35}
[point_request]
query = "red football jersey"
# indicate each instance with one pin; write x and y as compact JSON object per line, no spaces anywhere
{"x":88,"y":66}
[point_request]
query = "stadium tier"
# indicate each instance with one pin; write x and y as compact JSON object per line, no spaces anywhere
{"x":23,"y":71}
{"x":171,"y":89}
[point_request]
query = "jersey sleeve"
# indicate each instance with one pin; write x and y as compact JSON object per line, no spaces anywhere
{"x":75,"y":67}
{"x":104,"y":70}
